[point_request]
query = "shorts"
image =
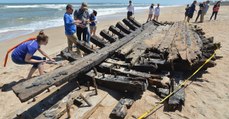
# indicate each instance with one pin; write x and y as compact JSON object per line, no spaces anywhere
{"x":186,"y":14}
{"x":190,"y":15}
{"x":93,"y":28}
{"x":129,"y":14}
{"x":22,"y":61}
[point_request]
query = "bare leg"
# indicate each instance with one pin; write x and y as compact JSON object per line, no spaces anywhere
{"x":91,"y":31}
{"x":94,"y":32}
{"x":151,"y":17}
{"x":32,"y":70}
{"x":41,"y":68}
{"x":148,"y":18}
{"x":188,"y":19}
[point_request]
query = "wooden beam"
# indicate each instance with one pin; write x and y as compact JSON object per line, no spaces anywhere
{"x":128,"y":48}
{"x":136,"y":23}
{"x":85,"y":48}
{"x":98,"y":41}
{"x":105,"y":34}
{"x":31,"y":88}
{"x":129,"y":24}
{"x":123,"y":28}
{"x":117,"y":31}
{"x":120,"y":83}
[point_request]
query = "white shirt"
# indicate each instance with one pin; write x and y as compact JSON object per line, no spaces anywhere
{"x":151,"y":10}
{"x":130,"y":8}
{"x":157,"y":11}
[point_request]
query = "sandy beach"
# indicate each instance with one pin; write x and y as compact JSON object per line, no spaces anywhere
{"x":205,"y":99}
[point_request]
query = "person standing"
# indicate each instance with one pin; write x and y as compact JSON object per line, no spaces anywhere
{"x":215,"y":10}
{"x":201,"y":5}
{"x":151,"y":11}
{"x":186,"y":11}
{"x":205,"y":10}
{"x":130,"y":10}
{"x":70,"y":27}
{"x":82,"y":14}
{"x":191,"y":10}
{"x":24,"y":54}
{"x":93,"y":22}
{"x":157,"y":12}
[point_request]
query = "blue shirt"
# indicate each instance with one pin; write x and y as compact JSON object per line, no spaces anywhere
{"x":192,"y":9}
{"x":29,"y":47}
{"x":70,"y":27}
{"x":92,"y":18}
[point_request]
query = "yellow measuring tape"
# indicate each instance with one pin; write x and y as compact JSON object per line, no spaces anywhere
{"x":146,"y":114}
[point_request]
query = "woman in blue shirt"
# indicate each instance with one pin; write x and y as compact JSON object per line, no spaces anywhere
{"x":24,"y":54}
{"x":93,"y":23}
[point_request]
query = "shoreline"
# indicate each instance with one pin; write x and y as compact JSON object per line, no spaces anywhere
{"x":8,"y":33}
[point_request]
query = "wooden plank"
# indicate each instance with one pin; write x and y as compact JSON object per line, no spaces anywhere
{"x":114,"y":69}
{"x":59,"y":109}
{"x":105,"y":34}
{"x":136,"y":23}
{"x":120,"y":110}
{"x":30,"y":88}
{"x":48,"y":102}
{"x":98,"y":41}
{"x":123,"y":28}
{"x":69,"y":55}
{"x":117,"y":31}
{"x":128,"y":48}
{"x":84,"y":48}
{"x":129,"y":24}
{"x":120,"y":83}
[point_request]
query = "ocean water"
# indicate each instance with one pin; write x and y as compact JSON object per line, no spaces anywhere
{"x":21,"y":19}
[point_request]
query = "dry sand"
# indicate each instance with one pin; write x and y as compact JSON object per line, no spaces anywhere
{"x":205,"y":99}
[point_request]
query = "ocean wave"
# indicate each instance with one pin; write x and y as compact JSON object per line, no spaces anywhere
{"x":51,"y":6}
{"x":110,"y":11}
{"x":36,"y":25}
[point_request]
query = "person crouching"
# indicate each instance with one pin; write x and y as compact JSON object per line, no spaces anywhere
{"x":24,"y":54}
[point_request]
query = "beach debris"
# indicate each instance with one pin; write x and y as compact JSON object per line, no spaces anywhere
{"x":120,"y":110}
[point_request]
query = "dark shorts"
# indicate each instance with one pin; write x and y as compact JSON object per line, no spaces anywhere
{"x":22,"y":61}
{"x":186,"y":14}
{"x":129,"y":14}
{"x":190,"y":15}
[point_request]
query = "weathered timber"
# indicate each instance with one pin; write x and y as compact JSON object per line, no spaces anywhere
{"x":123,"y":28}
{"x":120,"y":110}
{"x":48,"y":102}
{"x":115,"y":69}
{"x":165,"y":43}
{"x":105,"y":34}
{"x":120,"y":83}
{"x":117,"y":31}
{"x":98,"y":41}
{"x":117,"y":62}
{"x":136,"y":23}
{"x":135,"y":44}
{"x":129,"y":24}
{"x":58,"y":110}
{"x":26,"y":90}
{"x":157,"y":23}
{"x":85,"y":48}
{"x":134,"y":57}
{"x":178,"y":98}
{"x":69,"y":55}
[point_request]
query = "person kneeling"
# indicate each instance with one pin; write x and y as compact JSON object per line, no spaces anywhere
{"x":24,"y":54}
